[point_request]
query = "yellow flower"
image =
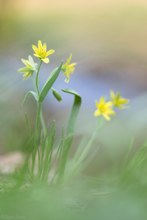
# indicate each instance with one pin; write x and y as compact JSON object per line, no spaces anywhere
{"x":117,"y":100}
{"x":104,"y":108}
{"x":30,"y":67}
{"x":41,"y":52}
{"x":68,"y":68}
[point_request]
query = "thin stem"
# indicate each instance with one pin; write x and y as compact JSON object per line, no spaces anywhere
{"x":89,"y":144}
{"x":36,"y":137}
{"x":40,"y":104}
{"x":63,"y":157}
{"x":38,"y":115}
{"x":43,"y":123}
{"x":37,"y":78}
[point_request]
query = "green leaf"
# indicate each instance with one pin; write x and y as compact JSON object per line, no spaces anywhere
{"x":52,"y":78}
{"x":74,"y":111}
{"x":34,"y":94}
{"x":57,"y":95}
{"x":67,"y":142}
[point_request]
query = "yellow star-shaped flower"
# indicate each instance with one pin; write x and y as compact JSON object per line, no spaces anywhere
{"x":117,"y":100}
{"x":68,"y":68}
{"x":29,"y":68}
{"x":104,"y":109}
{"x":41,"y":52}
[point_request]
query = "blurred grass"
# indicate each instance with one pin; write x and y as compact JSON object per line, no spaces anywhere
{"x":119,"y":194}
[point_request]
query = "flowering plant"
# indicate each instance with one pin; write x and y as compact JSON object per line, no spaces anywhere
{"x":40,"y":161}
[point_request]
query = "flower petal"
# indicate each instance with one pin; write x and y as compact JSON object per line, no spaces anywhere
{"x":45,"y":60}
{"x":106,"y":117}
{"x":39,"y":44}
{"x":49,"y":52}
{"x":97,"y":113}
{"x":34,"y":48}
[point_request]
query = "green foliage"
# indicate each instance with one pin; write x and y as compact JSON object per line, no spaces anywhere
{"x":56,"y":95}
{"x":75,"y":110}
{"x":34,"y":95}
{"x":42,"y":156}
{"x":52,"y":78}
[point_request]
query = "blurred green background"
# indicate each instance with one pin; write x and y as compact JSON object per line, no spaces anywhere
{"x":108,"y":40}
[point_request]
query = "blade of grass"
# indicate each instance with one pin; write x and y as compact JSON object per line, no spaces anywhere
{"x":66,"y":145}
{"x":34,"y":94}
{"x":47,"y":152}
{"x":74,"y":112}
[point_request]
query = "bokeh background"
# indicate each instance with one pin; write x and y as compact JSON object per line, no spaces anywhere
{"x":108,"y":40}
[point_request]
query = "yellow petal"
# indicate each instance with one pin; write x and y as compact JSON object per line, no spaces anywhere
{"x":36,"y":55}
{"x":97,"y":104}
{"x":24,"y":61}
{"x":26,"y":75}
{"x":39,"y":44}
{"x":123,"y":101}
{"x":44,"y":46}
{"x":72,"y":65}
{"x":102,"y":100}
{"x":109,"y":104}
{"x":69,"y":59}
{"x":97,"y":113}
{"x":45,"y":60}
{"x":34,"y":48}
{"x":110,"y":112}
{"x":106,"y":117}
{"x":49,"y":52}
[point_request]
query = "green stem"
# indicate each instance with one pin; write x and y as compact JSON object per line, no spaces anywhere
{"x":63,"y":157}
{"x":43,"y":123}
{"x":37,"y":78}
{"x":36,"y":137}
{"x":89,"y":144}
{"x":38,"y":115}
{"x":40,"y":104}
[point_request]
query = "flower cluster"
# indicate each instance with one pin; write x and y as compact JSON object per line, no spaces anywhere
{"x":106,"y":108}
{"x":42,"y":54}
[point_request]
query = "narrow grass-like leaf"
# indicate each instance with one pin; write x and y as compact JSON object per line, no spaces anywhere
{"x":47,"y":152}
{"x":66,"y":145}
{"x":52,"y":78}
{"x":74,"y":111}
{"x":57,"y":95}
{"x":81,"y":155}
{"x":34,"y":94}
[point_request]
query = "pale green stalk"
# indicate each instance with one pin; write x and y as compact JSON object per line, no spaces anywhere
{"x":37,"y":78}
{"x":67,"y":141}
{"x":38,"y":119}
{"x":86,"y":149}
{"x":40,"y":114}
